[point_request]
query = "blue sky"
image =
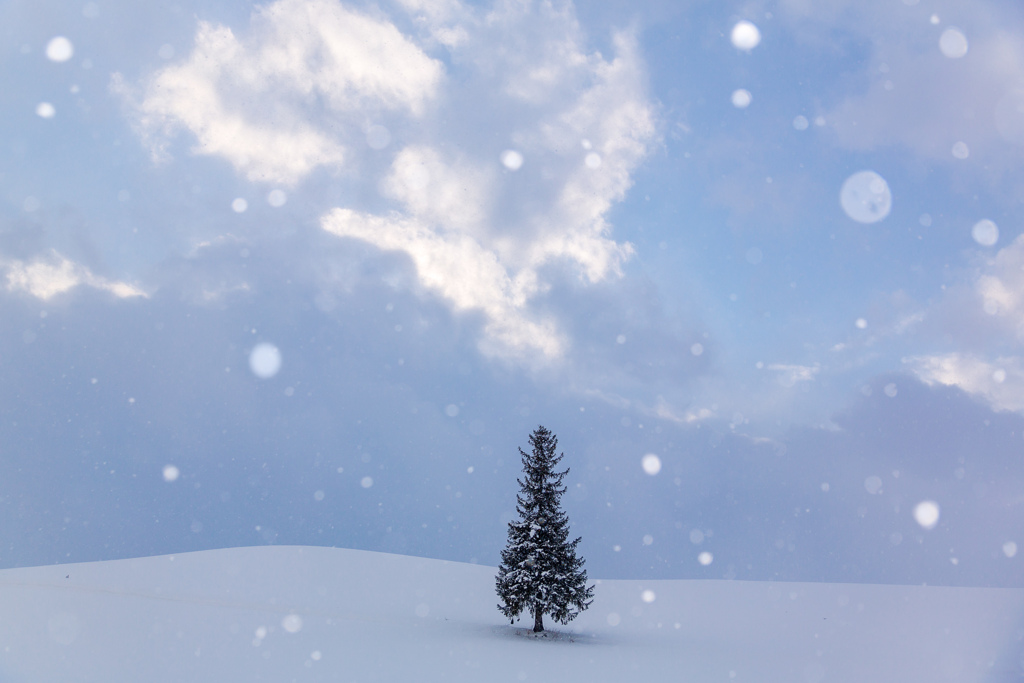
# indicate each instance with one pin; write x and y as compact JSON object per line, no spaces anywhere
{"x":455,"y":221}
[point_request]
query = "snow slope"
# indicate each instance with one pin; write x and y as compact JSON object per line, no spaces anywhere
{"x":322,"y":614}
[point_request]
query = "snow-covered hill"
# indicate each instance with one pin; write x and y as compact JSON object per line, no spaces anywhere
{"x":320,"y":614}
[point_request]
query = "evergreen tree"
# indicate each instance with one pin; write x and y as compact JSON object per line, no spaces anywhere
{"x":539,"y":569}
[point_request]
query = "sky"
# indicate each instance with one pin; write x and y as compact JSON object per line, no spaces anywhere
{"x":310,"y":272}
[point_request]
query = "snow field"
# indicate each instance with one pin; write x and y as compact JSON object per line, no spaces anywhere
{"x":322,"y":614}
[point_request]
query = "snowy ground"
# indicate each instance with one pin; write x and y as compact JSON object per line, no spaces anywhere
{"x":320,"y":614}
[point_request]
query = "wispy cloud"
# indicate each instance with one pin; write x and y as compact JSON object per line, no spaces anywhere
{"x":985,"y":315}
{"x":916,"y":94}
{"x":790,"y":375}
{"x":459,"y":269}
{"x":1000,"y":288}
{"x":999,"y":383}
{"x":51,"y":276}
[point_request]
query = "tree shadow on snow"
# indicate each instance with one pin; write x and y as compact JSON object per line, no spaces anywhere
{"x":551,"y":636}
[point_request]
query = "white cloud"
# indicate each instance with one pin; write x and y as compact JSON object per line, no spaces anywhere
{"x":616,"y":120}
{"x":444,"y":19}
{"x":991,"y":318}
{"x":277,"y":103}
{"x":479,"y":238}
{"x":454,"y":196}
{"x":459,"y":269}
{"x":981,"y":315}
{"x":49,"y":277}
{"x":984,"y":321}
{"x":1000,"y":288}
{"x":999,"y":383}
{"x":790,"y":375}
{"x":665,"y":411}
{"x":253,"y":101}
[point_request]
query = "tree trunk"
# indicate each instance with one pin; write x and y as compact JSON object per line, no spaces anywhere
{"x":538,"y":620}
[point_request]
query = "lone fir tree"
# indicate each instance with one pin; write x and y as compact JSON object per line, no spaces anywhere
{"x":539,"y":569}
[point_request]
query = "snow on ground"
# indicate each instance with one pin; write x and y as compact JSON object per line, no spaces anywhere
{"x":323,"y":614}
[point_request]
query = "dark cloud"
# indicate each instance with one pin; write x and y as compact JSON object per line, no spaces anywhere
{"x":799,"y":508}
